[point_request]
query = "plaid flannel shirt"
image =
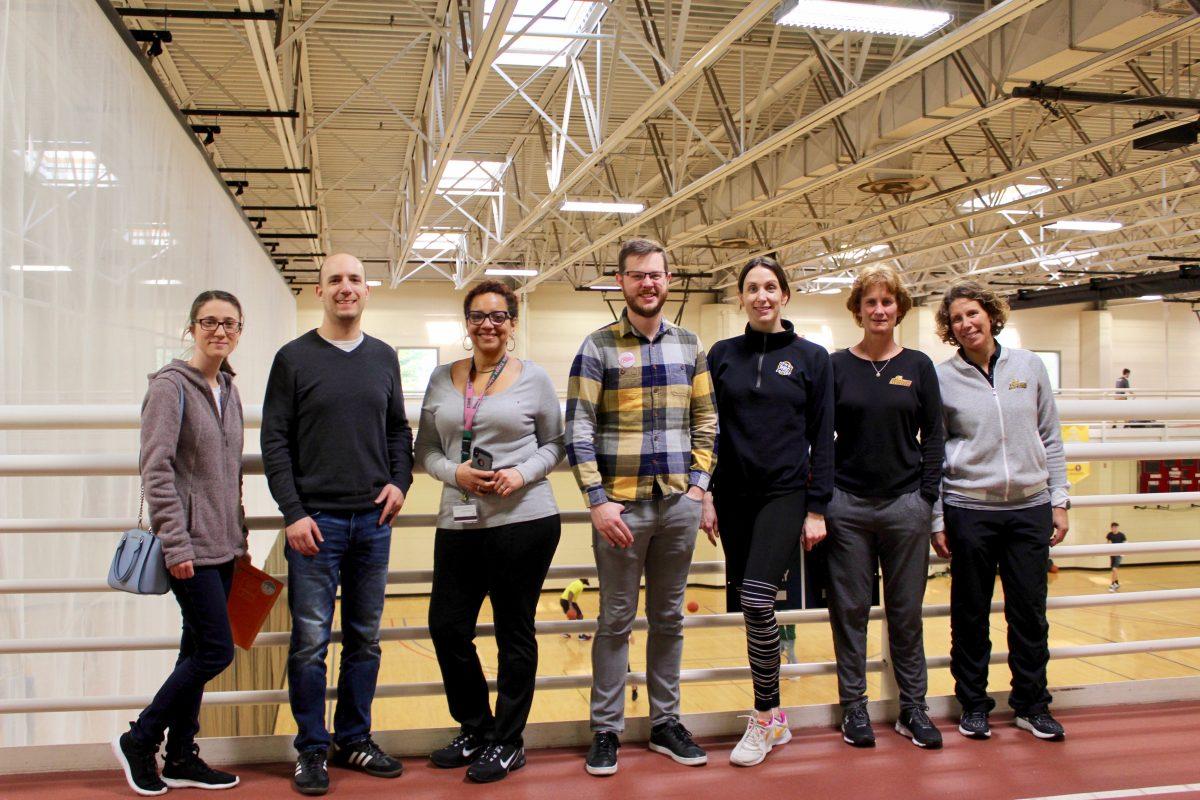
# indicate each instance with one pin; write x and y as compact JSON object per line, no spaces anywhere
{"x":640,"y":414}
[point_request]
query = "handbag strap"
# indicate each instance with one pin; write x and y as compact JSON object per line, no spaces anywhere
{"x":142,"y":493}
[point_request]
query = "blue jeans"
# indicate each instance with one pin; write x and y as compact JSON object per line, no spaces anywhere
{"x":356,"y":549}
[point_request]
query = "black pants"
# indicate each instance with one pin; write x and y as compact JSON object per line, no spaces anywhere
{"x":1018,"y":543}
{"x":760,"y":537}
{"x":205,"y":650}
{"x":507,"y":563}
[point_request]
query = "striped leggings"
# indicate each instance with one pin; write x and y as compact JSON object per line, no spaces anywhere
{"x":760,"y":537}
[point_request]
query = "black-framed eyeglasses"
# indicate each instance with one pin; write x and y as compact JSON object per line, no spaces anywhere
{"x":497,"y":317}
{"x":638,"y":276}
{"x":210,"y":324}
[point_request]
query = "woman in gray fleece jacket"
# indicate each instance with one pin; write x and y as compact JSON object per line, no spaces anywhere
{"x":191,"y":467}
{"x":1003,"y":506}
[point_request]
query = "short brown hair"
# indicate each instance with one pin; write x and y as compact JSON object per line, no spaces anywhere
{"x":873,"y":275}
{"x":767,"y":263}
{"x":995,"y":306}
{"x":641,"y":247}
{"x":491,"y":287}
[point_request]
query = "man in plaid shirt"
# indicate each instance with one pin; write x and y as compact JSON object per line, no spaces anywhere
{"x":641,"y":427}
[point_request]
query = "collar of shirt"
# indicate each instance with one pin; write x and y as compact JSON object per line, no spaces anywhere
{"x":991,"y":370}
{"x":627,"y":328}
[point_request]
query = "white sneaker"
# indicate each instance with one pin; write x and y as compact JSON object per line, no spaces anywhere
{"x":756,"y":742}
{"x":780,"y":732}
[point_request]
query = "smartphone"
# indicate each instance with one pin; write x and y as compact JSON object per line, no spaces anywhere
{"x":481,"y":459}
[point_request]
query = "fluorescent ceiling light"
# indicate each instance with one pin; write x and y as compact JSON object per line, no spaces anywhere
{"x":162,"y":282}
{"x":1151,"y":297}
{"x":1066,"y":258}
{"x":605,"y":288}
{"x":861,"y":17}
{"x":374,"y":283}
{"x":1085,"y":225}
{"x":40,"y":268}
{"x":859,"y":253}
{"x":465,"y":177}
{"x":1009,"y":194}
{"x":513,"y":272}
{"x":439,"y":240}
{"x":835,"y":290}
{"x":542,"y":44}
{"x":603,"y":207}
{"x":836,"y":280}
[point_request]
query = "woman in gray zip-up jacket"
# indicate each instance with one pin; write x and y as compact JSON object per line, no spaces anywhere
{"x":1003,"y":505}
{"x":191,"y":462}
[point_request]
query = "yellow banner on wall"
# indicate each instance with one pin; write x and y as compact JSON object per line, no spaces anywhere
{"x":1076,"y":470}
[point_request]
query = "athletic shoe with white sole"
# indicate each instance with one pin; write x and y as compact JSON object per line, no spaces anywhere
{"x":675,"y":741}
{"x":602,"y":756}
{"x":974,"y":725}
{"x":914,"y":723}
{"x":780,"y":732}
{"x":463,"y":750}
{"x":365,"y":756}
{"x":139,"y":764}
{"x":755,"y":744}
{"x":856,"y":726}
{"x":1041,"y":725}
{"x":496,"y":761}
{"x":190,"y":772}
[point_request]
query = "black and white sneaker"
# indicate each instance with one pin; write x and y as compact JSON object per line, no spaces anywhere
{"x":190,"y":772}
{"x":140,"y":765}
{"x":1041,"y":725}
{"x":464,"y":749}
{"x":365,"y":756}
{"x":496,"y":761}
{"x":856,"y":727}
{"x":311,"y":776}
{"x":602,"y":756}
{"x":675,"y":741}
{"x":914,"y":723}
{"x":974,"y":725}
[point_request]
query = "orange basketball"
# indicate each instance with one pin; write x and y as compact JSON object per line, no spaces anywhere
{"x":693,"y":606}
{"x":572,"y":614}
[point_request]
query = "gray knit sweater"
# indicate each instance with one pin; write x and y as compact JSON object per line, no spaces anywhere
{"x":1003,"y":443}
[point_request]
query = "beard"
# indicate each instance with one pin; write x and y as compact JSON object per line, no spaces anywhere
{"x":634,"y":303}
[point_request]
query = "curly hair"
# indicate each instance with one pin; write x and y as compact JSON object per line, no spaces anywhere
{"x":878,"y":274}
{"x":492,"y":287}
{"x":995,"y":306}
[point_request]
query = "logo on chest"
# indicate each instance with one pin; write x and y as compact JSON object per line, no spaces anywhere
{"x":626,"y":359}
{"x":900,"y":380}
{"x":784,"y":368}
{"x":1016,"y":384}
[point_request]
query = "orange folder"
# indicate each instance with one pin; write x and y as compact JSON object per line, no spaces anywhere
{"x":251,"y":598}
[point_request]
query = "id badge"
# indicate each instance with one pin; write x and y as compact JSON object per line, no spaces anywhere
{"x":465,"y":512}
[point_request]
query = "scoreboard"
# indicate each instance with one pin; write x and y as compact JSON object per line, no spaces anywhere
{"x":1173,"y":475}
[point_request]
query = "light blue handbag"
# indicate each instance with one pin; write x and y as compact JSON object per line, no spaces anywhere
{"x":138,"y":566}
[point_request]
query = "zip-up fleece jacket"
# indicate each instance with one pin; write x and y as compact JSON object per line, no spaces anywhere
{"x":1003,"y":441}
{"x":191,"y":466}
{"x":775,"y":416}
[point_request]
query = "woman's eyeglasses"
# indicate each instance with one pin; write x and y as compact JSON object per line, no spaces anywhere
{"x":497,"y":317}
{"x":210,"y":324}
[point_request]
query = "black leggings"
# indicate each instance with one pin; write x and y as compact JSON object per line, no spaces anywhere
{"x":507,"y":563}
{"x":760,"y":537}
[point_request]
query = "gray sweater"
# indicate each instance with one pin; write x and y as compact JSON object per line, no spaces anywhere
{"x":1004,"y":447}
{"x":192,"y":466}
{"x":522,"y":427}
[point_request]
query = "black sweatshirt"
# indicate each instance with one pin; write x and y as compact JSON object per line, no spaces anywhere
{"x":334,"y":431}
{"x":878,"y":420}
{"x":775,"y":410}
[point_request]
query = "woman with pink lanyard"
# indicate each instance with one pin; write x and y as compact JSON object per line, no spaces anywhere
{"x":491,"y":430}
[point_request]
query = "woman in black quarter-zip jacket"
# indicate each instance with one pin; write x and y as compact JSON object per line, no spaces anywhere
{"x":774,"y":475}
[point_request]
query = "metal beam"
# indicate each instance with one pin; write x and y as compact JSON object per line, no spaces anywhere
{"x":193,"y":13}
{"x":267,"y":170}
{"x":238,"y":112}
{"x":1057,"y":94}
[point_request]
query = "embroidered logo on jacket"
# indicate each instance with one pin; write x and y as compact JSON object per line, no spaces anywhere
{"x":900,"y":380}
{"x":1016,"y":384}
{"x":784,"y":368}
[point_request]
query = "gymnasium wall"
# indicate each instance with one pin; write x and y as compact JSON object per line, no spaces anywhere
{"x":98,"y":177}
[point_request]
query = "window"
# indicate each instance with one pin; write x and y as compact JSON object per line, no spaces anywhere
{"x":542,"y":47}
{"x":1052,"y":360}
{"x":472,"y":178}
{"x":67,"y":165}
{"x":439,"y":240}
{"x":416,"y":367}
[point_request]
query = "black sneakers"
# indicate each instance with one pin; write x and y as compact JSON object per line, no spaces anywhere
{"x":495,"y":762}
{"x":602,"y":756}
{"x":311,"y":776}
{"x":1041,"y":725}
{"x":974,"y":725}
{"x":856,"y":727}
{"x":464,"y":749}
{"x":914,"y":723}
{"x":672,"y":739}
{"x":190,"y":771}
{"x":140,"y":765}
{"x":365,"y":756}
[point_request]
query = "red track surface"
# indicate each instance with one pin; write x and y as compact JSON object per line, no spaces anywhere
{"x":1107,"y":749}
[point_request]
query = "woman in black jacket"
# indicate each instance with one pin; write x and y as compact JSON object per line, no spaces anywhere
{"x":773,"y":478}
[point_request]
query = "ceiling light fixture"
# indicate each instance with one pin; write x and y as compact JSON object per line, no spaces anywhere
{"x":513,"y":272}
{"x":1085,"y":225}
{"x":861,"y":17}
{"x":162,"y":282}
{"x":603,"y":207}
{"x":40,"y":268}
{"x":1151,"y":297}
{"x":374,"y":283}
{"x":605,"y":288}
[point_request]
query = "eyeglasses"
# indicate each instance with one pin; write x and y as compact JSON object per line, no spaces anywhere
{"x":638,"y":277}
{"x":497,"y":317}
{"x":210,"y":324}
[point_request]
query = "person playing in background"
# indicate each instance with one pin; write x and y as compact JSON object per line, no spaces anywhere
{"x":641,"y":426}
{"x":787,"y":642}
{"x":773,"y":480}
{"x":191,"y":447}
{"x":491,"y":431}
{"x":570,"y":602}
{"x":1115,"y":537}
{"x":1123,"y":384}
{"x":337,"y":451}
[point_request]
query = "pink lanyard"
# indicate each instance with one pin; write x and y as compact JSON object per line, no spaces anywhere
{"x":471,"y":404}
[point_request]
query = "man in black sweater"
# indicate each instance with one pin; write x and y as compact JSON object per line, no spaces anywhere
{"x":337,"y":450}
